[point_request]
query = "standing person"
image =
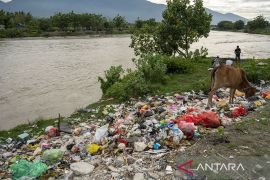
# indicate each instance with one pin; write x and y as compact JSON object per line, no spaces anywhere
{"x":216,"y":62}
{"x":237,"y":52}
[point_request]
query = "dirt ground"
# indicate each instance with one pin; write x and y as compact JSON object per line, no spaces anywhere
{"x":246,"y":142}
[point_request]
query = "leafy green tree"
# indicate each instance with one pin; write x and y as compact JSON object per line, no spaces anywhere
{"x":138,"y":23}
{"x":239,"y":25}
{"x":119,"y":22}
{"x":44,"y":24}
{"x":225,"y":25}
{"x":108,"y":25}
{"x":183,"y":24}
{"x":61,"y":21}
{"x":144,"y":39}
{"x":258,"y":23}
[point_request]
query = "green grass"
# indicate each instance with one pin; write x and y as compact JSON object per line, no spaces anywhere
{"x":35,"y":128}
{"x":198,"y":79}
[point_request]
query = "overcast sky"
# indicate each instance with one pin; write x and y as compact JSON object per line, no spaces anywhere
{"x":245,"y":8}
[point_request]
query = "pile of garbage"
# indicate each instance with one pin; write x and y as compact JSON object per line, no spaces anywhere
{"x":136,"y":140}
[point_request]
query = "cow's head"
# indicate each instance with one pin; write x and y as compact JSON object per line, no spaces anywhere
{"x":250,"y":92}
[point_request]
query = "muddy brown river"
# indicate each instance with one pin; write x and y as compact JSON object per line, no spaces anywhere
{"x":42,"y":77}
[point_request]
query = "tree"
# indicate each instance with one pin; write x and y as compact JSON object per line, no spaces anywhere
{"x":139,"y":23}
{"x":119,"y":22}
{"x":239,"y":25}
{"x":61,"y":21}
{"x":225,"y":25}
{"x":258,"y":23}
{"x":44,"y":24}
{"x":182,"y":25}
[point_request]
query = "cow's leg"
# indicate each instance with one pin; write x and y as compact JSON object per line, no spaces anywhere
{"x":210,"y":96}
{"x":232,"y":91}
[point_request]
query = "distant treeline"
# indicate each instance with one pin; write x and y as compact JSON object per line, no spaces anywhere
{"x":21,"y":24}
{"x":259,"y":25}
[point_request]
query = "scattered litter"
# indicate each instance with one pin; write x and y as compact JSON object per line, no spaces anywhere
{"x":27,"y":169}
{"x":131,"y":140}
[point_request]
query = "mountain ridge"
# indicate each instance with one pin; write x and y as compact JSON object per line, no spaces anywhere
{"x":131,"y":9}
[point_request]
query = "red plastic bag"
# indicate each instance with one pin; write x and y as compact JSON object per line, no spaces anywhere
{"x":191,"y":109}
{"x":189,"y":118}
{"x":239,"y":111}
{"x":188,"y":128}
{"x":122,"y":141}
{"x":53,"y":132}
{"x":266,"y":94}
{"x":210,"y":119}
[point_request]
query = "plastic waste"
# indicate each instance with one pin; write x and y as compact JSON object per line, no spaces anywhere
{"x":23,"y":136}
{"x":45,"y":146}
{"x":210,"y":119}
{"x":189,"y":118}
{"x":52,"y":131}
{"x":188,"y":128}
{"x":101,"y":133}
{"x":177,"y":135}
{"x":258,"y":103}
{"x":77,"y":131}
{"x":53,"y":155}
{"x":239,"y":111}
{"x":197,"y":134}
{"x":176,"y":131}
{"x":266,"y":95}
{"x":221,"y":103}
{"x":156,"y":146}
{"x":93,"y":148}
{"x":238,"y":93}
{"x":122,"y":141}
{"x":27,"y":169}
{"x":229,"y":62}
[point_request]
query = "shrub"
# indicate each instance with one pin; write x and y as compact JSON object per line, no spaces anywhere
{"x":112,"y":76}
{"x":11,"y":33}
{"x":198,"y":54}
{"x":178,"y":65}
{"x":152,"y":68}
{"x":256,"y":73}
{"x":132,"y":85}
{"x":202,"y":85}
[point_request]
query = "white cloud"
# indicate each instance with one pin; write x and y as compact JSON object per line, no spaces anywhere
{"x":245,"y":8}
{"x":5,"y":1}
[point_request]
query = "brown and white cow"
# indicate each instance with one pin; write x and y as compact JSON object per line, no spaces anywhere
{"x":229,"y":77}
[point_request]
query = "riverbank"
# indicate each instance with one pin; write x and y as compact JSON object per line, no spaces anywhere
{"x":258,"y":31}
{"x":5,"y":34}
{"x":198,"y":79}
{"x":149,"y":137}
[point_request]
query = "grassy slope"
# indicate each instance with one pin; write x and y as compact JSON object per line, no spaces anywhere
{"x":197,"y":80}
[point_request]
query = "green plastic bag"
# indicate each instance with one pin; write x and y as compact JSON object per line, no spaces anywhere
{"x":53,"y":155}
{"x":27,"y":169}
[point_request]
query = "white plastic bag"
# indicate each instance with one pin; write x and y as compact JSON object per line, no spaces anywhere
{"x":229,"y":62}
{"x":101,"y":133}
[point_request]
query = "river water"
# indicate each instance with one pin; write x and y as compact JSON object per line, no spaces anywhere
{"x":42,"y":77}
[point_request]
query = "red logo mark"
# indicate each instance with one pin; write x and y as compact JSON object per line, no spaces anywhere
{"x":181,"y":167}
